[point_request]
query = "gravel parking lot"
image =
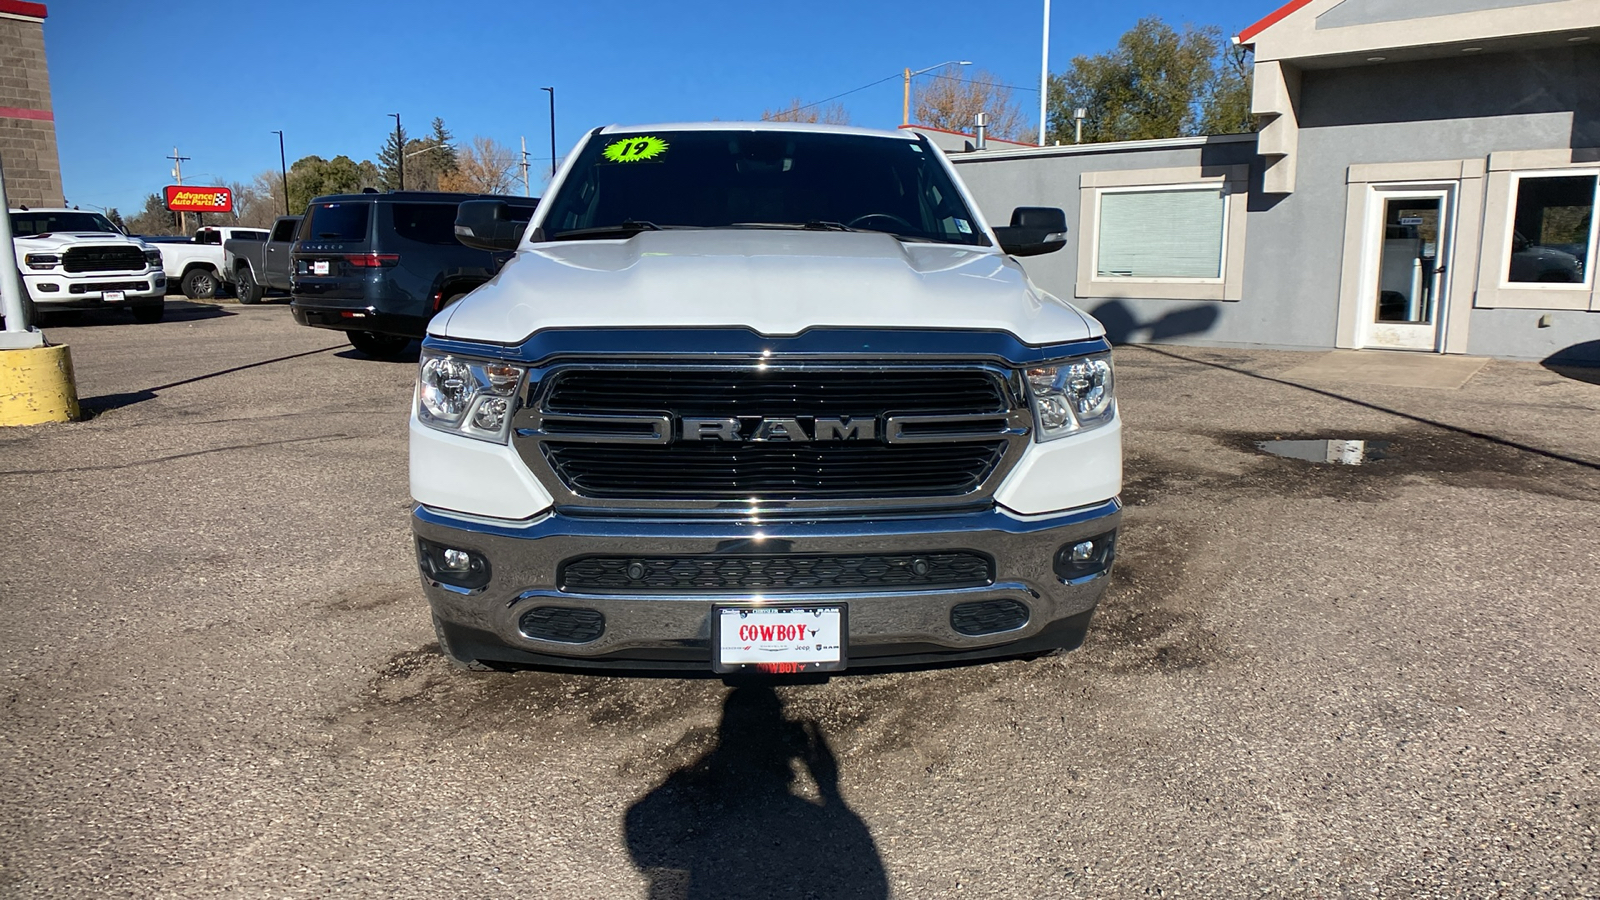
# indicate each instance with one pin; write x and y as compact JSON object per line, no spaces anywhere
{"x":1308,"y":681}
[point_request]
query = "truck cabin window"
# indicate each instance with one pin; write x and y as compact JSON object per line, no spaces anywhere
{"x":27,"y":224}
{"x":622,"y":184}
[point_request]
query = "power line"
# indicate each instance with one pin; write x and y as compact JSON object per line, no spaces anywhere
{"x":1014,"y":87}
{"x":837,"y":96}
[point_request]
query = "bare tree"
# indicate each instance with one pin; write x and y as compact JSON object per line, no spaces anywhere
{"x":947,"y":100}
{"x":483,"y":167}
{"x":799,"y":111}
{"x":256,"y":205}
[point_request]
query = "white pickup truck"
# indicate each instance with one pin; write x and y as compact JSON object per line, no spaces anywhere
{"x":766,"y":397}
{"x":197,"y":265}
{"x":71,"y":259}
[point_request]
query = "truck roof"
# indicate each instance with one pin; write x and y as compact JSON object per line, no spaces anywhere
{"x":413,"y":196}
{"x":816,"y":128}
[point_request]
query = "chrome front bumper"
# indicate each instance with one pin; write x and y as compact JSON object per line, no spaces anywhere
{"x":672,"y":630}
{"x":57,"y":291}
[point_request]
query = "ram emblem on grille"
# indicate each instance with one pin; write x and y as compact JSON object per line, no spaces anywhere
{"x":791,"y":430}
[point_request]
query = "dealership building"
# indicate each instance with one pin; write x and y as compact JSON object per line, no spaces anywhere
{"x":1424,"y":179}
{"x":27,"y":124}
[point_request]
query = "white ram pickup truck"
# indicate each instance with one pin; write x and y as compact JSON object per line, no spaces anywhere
{"x":197,"y":265}
{"x":766,"y":397}
{"x":71,"y":259}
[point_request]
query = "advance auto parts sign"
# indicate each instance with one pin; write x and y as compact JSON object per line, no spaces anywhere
{"x":182,"y":198}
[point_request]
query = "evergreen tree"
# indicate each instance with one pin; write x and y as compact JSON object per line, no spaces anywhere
{"x":390,"y":160}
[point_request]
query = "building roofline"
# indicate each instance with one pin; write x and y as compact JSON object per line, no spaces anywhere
{"x":1269,"y":20}
{"x":1106,"y":147}
{"x":23,"y":8}
{"x":916,"y":127}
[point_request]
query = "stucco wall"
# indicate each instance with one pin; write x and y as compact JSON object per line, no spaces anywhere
{"x":1443,"y":109}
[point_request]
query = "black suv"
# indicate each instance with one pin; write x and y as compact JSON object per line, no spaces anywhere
{"x":379,"y":266}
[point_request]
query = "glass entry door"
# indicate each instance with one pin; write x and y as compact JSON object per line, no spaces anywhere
{"x":1407,"y":254}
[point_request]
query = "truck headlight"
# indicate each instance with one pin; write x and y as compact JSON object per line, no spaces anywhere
{"x":1072,"y":395}
{"x":152,"y":258}
{"x":469,"y":397}
{"x":42,"y":260}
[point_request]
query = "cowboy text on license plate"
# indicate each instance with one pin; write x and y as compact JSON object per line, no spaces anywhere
{"x":319,"y":267}
{"x":780,"y":638}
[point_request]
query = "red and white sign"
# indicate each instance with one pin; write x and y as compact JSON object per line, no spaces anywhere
{"x":183,"y":198}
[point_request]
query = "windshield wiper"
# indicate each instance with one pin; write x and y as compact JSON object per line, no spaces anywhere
{"x":627,"y":227}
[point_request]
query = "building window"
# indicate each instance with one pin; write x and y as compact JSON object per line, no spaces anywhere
{"x":1552,"y":239}
{"x":1175,"y":233}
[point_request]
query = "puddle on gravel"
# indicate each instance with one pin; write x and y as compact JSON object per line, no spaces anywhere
{"x":1338,"y":452}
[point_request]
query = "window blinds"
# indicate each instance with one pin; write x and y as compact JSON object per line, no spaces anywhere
{"x":1161,"y":234}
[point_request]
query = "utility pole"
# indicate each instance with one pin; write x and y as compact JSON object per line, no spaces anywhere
{"x":526,"y":190}
{"x":284,"y":165}
{"x":399,"y":150}
{"x":905,"y":103}
{"x":552,"y":131}
{"x":177,"y":172}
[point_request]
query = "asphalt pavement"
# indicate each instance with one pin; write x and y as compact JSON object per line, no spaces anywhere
{"x":219,"y":676}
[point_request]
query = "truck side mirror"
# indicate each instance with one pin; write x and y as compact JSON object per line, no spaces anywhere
{"x":1033,"y":230}
{"x":489,"y":224}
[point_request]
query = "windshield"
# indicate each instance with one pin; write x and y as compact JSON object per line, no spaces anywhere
{"x":26,"y":224}
{"x":624,"y":183}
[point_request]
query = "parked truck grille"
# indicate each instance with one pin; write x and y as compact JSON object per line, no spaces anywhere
{"x":741,"y":391}
{"x":776,"y":573}
{"x":773,"y":472}
{"x":103,"y":259}
{"x":615,"y":462}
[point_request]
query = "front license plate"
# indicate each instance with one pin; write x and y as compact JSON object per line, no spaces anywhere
{"x":319,"y":267}
{"x":782,"y":639}
{"x":112,"y":296}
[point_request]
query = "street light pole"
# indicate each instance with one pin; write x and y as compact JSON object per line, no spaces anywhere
{"x":905,"y":103}
{"x":399,"y":150}
{"x":552,"y":131}
{"x":283,"y":164}
{"x":1044,"y":72}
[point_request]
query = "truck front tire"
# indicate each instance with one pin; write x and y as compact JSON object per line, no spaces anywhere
{"x":199,"y":284}
{"x":245,"y":286}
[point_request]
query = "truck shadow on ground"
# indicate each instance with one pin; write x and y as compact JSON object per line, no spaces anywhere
{"x":177,"y":311}
{"x":731,"y":824}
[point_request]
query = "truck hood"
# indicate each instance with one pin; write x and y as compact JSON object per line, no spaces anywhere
{"x":61,"y":240}
{"x":775,"y":282}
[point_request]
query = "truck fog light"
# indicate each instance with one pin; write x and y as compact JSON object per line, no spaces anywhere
{"x":452,"y":567}
{"x":48,"y":288}
{"x":1088,"y":558}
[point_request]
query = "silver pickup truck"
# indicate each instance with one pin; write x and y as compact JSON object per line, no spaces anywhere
{"x":255,"y":267}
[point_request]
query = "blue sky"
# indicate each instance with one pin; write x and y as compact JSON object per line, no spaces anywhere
{"x":132,"y":79}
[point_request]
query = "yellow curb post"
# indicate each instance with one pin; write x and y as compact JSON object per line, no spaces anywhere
{"x":36,"y":386}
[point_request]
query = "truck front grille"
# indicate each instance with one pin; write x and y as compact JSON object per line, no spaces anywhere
{"x":615,"y":435}
{"x":103,"y":259}
{"x":769,"y":472}
{"x":776,"y":573}
{"x":743,"y":391}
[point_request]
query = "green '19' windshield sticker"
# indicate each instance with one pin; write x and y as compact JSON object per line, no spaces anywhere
{"x":635,"y":148}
